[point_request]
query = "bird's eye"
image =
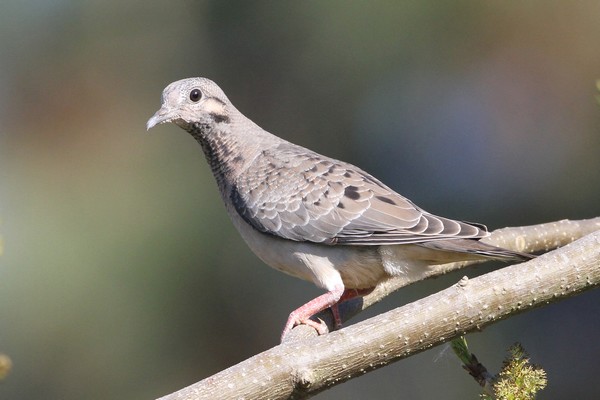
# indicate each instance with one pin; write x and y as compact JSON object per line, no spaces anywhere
{"x":195,"y":95}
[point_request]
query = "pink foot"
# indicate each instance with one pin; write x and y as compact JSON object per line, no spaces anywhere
{"x":331,"y":300}
{"x":302,"y":314}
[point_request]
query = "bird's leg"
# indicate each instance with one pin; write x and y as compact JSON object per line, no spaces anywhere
{"x":348,"y":294}
{"x":302,"y":314}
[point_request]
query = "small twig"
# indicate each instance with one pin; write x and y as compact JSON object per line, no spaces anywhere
{"x":472,"y":365}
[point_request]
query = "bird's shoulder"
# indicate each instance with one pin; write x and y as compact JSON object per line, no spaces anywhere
{"x":297,"y":194}
{"x":288,"y":170}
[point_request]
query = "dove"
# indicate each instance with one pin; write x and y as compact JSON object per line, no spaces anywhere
{"x":311,"y":216}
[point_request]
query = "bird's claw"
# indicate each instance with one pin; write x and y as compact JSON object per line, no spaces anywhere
{"x":321,"y":327}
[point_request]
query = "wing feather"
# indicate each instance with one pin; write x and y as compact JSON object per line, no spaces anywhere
{"x":296,"y":194}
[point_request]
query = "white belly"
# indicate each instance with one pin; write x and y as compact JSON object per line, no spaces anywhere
{"x":327,"y":266}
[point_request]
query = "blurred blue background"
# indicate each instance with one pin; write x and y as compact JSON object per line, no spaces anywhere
{"x":122,"y":276}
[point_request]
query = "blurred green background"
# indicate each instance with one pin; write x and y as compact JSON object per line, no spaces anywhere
{"x":122,"y":276}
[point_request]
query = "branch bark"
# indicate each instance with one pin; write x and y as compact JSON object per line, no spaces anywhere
{"x":302,"y":368}
{"x":530,"y":239}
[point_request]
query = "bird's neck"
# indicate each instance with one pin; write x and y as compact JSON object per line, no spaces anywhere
{"x":230,"y":146}
{"x":220,"y":148}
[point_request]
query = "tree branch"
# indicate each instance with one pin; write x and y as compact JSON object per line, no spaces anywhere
{"x":530,"y":239}
{"x":302,"y":368}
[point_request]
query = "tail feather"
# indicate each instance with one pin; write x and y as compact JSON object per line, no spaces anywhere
{"x":477,"y":249}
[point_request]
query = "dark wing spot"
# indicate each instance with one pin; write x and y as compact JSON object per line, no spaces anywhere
{"x":351,"y":192}
{"x":341,"y":205}
{"x":386,"y":200}
{"x":347,"y":174}
{"x":238,"y":159}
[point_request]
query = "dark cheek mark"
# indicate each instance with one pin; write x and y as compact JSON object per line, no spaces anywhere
{"x":218,"y":118}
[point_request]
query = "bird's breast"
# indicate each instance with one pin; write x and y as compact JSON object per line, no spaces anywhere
{"x":324,"y":265}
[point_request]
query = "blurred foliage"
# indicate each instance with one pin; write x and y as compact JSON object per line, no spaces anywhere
{"x":5,"y":366}
{"x":5,"y":362}
{"x":122,"y":275}
{"x":518,"y":379}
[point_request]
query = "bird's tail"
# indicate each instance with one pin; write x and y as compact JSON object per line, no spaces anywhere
{"x":477,"y":249}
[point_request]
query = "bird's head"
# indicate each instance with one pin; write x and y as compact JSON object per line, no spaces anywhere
{"x":191,"y":101}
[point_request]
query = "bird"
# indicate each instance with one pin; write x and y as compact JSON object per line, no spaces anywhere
{"x":311,"y":216}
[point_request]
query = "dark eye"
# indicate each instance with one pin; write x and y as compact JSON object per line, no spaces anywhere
{"x":195,"y":95}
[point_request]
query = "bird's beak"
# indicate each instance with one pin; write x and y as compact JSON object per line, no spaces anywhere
{"x":160,"y":117}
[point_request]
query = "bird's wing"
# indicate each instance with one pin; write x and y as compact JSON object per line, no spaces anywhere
{"x":296,"y":194}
